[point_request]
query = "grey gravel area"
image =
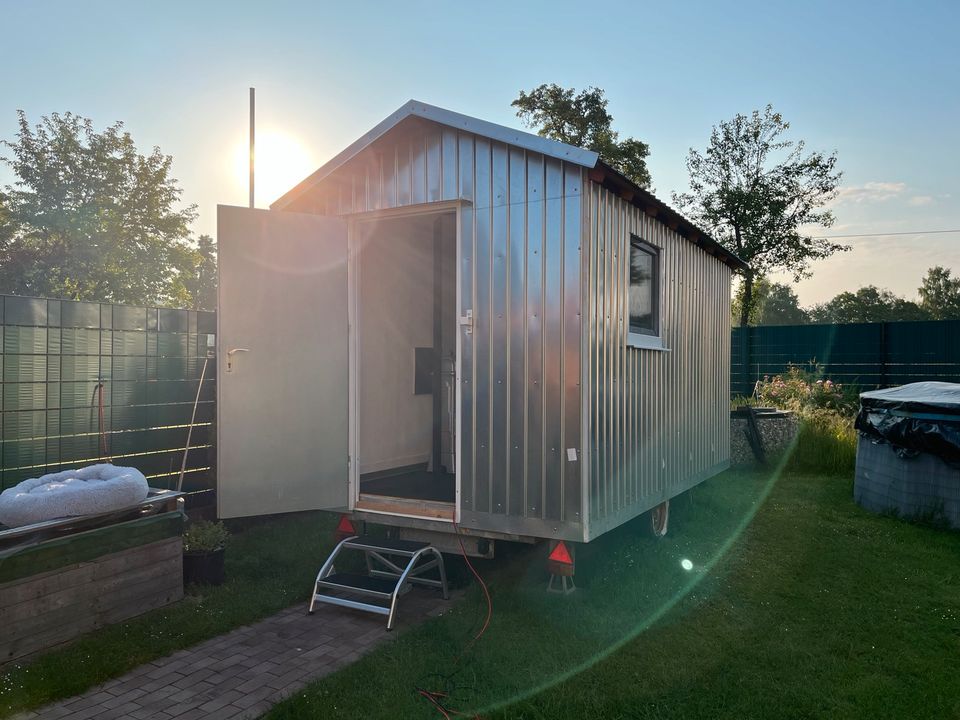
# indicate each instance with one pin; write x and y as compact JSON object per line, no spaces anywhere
{"x":776,"y":433}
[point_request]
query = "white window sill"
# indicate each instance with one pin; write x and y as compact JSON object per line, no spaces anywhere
{"x":646,"y":342}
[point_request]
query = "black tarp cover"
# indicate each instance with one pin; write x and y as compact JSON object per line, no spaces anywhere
{"x":922,"y":417}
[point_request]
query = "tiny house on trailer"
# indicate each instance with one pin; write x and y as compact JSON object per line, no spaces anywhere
{"x":455,"y":321}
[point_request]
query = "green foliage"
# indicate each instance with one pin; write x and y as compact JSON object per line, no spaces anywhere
{"x":90,"y":218}
{"x":868,"y":304}
{"x":940,"y":294}
{"x":267,"y":571}
{"x":781,"y":306}
{"x":777,"y":304}
{"x":759,"y":195}
{"x":200,"y":280}
{"x":582,"y":119}
{"x":939,"y":300}
{"x":817,"y":609}
{"x":205,"y":536}
{"x":773,"y":304}
{"x":801,"y":391}
{"x":826,"y":442}
{"x":811,"y":607}
{"x":6,"y":223}
{"x":759,"y":292}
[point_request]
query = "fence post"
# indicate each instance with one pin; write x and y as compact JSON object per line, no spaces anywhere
{"x":746,"y":388}
{"x":883,"y":354}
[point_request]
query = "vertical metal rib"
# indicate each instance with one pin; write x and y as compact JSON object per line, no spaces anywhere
{"x":657,"y":420}
{"x":521,"y":249}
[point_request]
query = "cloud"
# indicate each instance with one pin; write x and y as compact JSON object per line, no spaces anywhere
{"x":870,"y":192}
{"x":920,"y":200}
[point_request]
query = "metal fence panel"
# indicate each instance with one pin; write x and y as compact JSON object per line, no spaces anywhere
{"x":54,"y":355}
{"x":868,"y":355}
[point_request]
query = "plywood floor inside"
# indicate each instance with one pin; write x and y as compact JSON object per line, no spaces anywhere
{"x":413,"y":484}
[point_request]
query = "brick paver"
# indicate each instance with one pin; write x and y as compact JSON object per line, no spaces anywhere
{"x":244,"y":673}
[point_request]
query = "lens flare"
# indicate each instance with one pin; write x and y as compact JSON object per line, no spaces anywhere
{"x":280,"y":162}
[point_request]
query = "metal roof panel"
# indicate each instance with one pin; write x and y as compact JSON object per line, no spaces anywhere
{"x":415,"y":108}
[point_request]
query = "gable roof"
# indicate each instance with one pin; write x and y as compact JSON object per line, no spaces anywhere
{"x":600,"y":172}
{"x":620,"y":184}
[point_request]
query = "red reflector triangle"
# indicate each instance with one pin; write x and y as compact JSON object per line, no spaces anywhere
{"x":560,"y":554}
{"x":345,"y":526}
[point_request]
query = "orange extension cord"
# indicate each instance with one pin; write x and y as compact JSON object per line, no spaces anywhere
{"x":438,"y":698}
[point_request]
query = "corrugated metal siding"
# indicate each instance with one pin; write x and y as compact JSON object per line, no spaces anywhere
{"x":658,"y":422}
{"x":520,"y":273}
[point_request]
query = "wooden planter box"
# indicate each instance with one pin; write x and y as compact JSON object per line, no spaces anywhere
{"x":55,"y":590}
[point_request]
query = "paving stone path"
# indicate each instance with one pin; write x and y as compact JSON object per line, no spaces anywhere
{"x":244,"y":673}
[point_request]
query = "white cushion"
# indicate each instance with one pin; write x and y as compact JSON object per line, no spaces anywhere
{"x":72,"y":493}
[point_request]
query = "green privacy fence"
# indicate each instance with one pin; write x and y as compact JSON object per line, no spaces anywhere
{"x":56,"y":354}
{"x":869,"y":355}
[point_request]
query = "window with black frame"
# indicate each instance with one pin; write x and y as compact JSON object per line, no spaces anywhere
{"x":644,"y":300}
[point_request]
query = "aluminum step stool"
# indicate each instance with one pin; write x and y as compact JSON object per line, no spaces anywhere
{"x":385,"y":580}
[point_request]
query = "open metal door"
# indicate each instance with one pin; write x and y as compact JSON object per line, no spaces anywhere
{"x":282,"y":373}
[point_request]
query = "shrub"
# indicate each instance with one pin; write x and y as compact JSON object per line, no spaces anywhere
{"x":801,"y":391}
{"x":205,"y":536}
{"x":826,"y":440}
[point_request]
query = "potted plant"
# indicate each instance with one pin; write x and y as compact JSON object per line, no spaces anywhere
{"x":204,"y":545}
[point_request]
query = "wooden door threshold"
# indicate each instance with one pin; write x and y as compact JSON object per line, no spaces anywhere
{"x":406,"y":506}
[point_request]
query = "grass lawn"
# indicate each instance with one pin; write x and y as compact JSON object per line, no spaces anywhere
{"x":772,"y":596}
{"x":269,"y":567}
{"x":798,"y":604}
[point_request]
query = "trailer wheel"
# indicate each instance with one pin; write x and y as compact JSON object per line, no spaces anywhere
{"x":660,"y":519}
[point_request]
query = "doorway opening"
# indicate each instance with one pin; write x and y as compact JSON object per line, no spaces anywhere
{"x":406,"y":314}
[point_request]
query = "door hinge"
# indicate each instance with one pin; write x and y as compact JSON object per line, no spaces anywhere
{"x":466,"y":322}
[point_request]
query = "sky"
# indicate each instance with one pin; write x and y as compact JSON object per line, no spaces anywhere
{"x":876,"y":81}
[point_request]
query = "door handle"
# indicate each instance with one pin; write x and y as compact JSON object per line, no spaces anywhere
{"x":230,"y":354}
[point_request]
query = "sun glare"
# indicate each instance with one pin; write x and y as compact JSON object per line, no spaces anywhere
{"x":280,"y":163}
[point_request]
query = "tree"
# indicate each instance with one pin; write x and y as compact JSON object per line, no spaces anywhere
{"x":773,"y":304}
{"x":90,"y":218}
{"x":582,"y":119}
{"x":903,"y":310}
{"x":761,"y":288}
{"x":6,"y":227}
{"x":201,"y":283}
{"x":781,"y":306}
{"x":940,"y":294}
{"x":868,"y":304}
{"x":757,"y":193}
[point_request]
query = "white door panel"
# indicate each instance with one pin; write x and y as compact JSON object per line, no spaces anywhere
{"x":282,"y":375}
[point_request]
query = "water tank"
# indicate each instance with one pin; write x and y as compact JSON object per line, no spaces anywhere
{"x":908,"y":452}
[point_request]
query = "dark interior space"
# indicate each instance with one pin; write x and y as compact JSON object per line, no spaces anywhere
{"x":407,"y":362}
{"x":418,"y":484}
